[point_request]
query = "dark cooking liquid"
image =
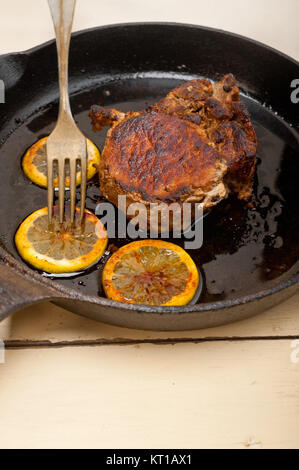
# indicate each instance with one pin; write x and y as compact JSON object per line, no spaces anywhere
{"x":245,"y":250}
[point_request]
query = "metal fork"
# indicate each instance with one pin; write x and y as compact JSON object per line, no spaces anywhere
{"x":66,"y":142}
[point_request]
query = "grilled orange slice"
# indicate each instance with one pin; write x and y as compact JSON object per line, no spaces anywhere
{"x":35,"y":164}
{"x":61,"y":248}
{"x":151,"y":272}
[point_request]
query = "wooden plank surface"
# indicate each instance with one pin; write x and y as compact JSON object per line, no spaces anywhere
{"x":229,"y":387}
{"x":216,"y":394}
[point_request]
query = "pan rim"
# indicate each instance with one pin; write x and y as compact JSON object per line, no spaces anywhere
{"x":70,"y":293}
{"x":161,"y":23}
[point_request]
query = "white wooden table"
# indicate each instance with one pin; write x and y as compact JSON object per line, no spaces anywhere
{"x":70,"y":382}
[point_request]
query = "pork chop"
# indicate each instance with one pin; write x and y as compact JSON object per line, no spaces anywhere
{"x":195,"y":145}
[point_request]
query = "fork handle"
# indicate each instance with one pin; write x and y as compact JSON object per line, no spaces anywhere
{"x":62,"y":12}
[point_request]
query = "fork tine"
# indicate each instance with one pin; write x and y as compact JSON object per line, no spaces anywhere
{"x":50,"y":189}
{"x":61,"y":186}
{"x":73,"y":188}
{"x":83,"y":185}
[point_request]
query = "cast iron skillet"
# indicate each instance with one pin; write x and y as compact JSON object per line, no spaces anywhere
{"x":249,"y":260}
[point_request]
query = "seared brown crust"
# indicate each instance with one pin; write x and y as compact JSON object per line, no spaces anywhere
{"x":161,"y":157}
{"x":225,"y":121}
{"x":197,"y":144}
{"x":199,"y":97}
{"x":105,"y":117}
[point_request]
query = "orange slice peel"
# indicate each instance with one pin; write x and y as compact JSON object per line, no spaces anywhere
{"x":34,"y":164}
{"x":61,"y":248}
{"x":152,"y":272}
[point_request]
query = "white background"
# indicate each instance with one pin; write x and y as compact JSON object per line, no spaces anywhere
{"x":24,"y":23}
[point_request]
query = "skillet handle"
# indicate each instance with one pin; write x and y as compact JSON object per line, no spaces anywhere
{"x":17,"y":291}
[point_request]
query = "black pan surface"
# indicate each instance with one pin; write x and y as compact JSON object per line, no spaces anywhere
{"x":249,"y":259}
